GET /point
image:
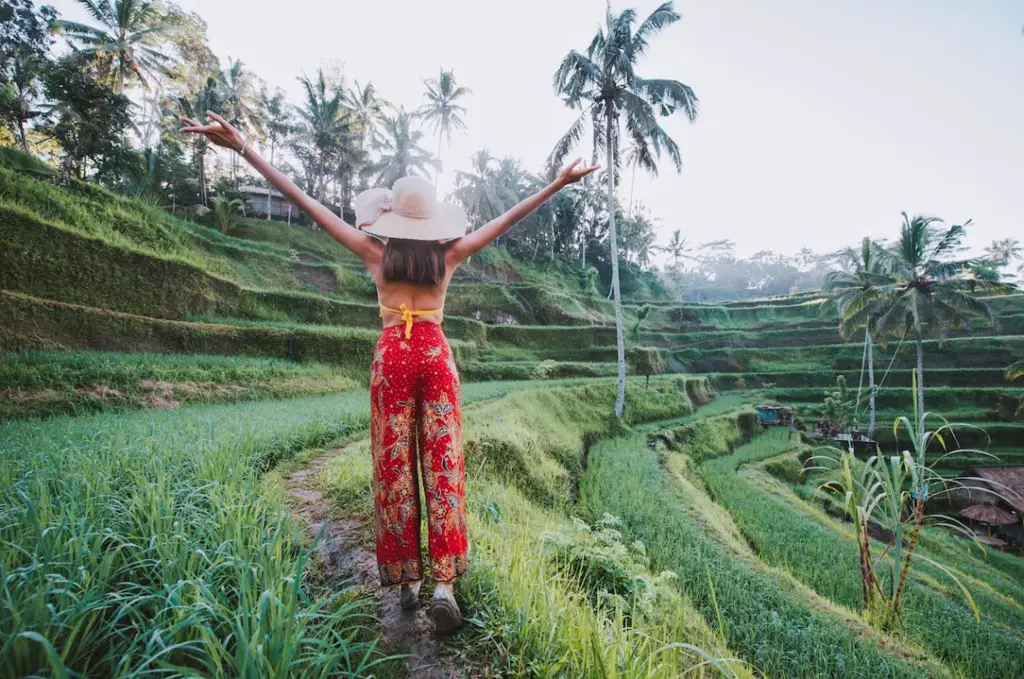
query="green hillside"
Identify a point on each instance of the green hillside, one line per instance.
(176, 403)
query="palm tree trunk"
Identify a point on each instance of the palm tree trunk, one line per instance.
(871, 385)
(620, 340)
(632, 184)
(270, 197)
(920, 383)
(437, 173)
(24, 136)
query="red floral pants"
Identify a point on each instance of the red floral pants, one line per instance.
(415, 417)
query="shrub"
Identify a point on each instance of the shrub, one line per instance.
(615, 574)
(544, 370)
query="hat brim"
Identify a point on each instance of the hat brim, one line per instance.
(448, 223)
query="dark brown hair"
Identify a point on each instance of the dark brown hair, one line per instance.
(414, 261)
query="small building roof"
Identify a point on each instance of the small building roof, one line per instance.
(260, 191)
(1006, 482)
(773, 407)
(990, 514)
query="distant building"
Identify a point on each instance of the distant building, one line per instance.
(257, 199)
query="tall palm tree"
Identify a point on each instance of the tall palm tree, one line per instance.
(207, 96)
(604, 86)
(325, 124)
(277, 122)
(400, 152)
(241, 103)
(475, 190)
(126, 42)
(677, 247)
(367, 110)
(928, 291)
(1003, 251)
(442, 112)
(857, 298)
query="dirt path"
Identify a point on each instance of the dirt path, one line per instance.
(347, 552)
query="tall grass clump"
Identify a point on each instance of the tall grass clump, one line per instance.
(143, 543)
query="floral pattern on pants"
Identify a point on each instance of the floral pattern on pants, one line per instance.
(416, 418)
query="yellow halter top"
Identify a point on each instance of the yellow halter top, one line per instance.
(408, 315)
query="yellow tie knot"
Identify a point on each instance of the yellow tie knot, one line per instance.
(407, 317)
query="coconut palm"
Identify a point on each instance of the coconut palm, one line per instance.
(677, 247)
(442, 112)
(855, 294)
(1004, 250)
(604, 86)
(325, 124)
(400, 152)
(241, 103)
(125, 44)
(241, 100)
(207, 96)
(475, 190)
(928, 291)
(367, 109)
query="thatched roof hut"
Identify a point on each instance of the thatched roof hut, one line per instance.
(996, 486)
(989, 514)
(1007, 482)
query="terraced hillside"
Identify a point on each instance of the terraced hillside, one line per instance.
(221, 529)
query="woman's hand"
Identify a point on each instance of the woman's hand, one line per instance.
(220, 132)
(575, 172)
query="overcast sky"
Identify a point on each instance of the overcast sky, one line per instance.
(820, 120)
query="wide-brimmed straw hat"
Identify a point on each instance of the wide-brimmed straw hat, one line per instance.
(409, 210)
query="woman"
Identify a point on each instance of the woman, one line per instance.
(412, 245)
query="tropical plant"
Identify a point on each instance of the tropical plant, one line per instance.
(125, 45)
(855, 295)
(928, 291)
(442, 112)
(228, 213)
(400, 152)
(1015, 371)
(603, 85)
(891, 492)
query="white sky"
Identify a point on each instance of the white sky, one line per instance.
(821, 120)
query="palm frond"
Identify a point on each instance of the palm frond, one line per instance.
(569, 140)
(670, 95)
(664, 15)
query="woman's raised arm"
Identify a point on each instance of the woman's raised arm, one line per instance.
(223, 134)
(476, 241)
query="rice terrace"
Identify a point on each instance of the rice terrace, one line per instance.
(722, 408)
